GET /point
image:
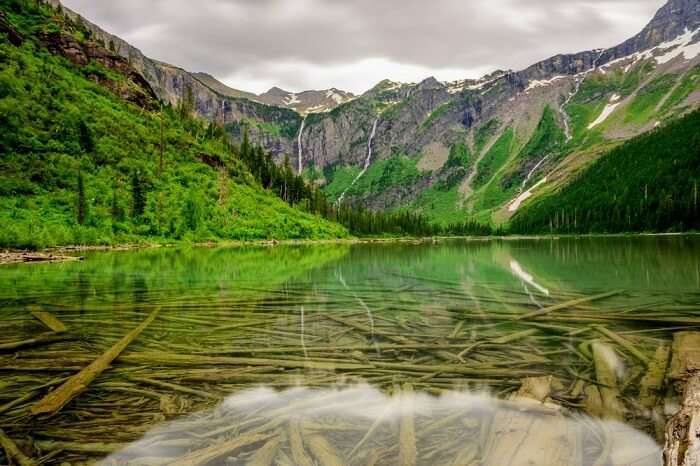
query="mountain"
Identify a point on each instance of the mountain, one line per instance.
(649, 183)
(305, 102)
(88, 156)
(480, 149)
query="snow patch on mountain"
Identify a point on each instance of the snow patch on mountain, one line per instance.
(607, 111)
(515, 205)
(687, 45)
(535, 83)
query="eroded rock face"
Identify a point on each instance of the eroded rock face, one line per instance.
(135, 89)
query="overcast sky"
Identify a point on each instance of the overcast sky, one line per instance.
(353, 44)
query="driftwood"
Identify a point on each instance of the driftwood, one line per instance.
(682, 446)
(57, 399)
(14, 452)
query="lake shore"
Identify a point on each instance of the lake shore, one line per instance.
(69, 253)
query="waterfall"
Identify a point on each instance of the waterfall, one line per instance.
(579, 82)
(368, 160)
(301, 131)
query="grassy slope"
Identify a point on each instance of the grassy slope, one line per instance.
(650, 183)
(43, 147)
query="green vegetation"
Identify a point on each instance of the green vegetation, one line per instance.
(382, 175)
(459, 156)
(649, 183)
(643, 107)
(340, 179)
(484, 135)
(689, 83)
(435, 114)
(439, 205)
(547, 139)
(82, 166)
(496, 157)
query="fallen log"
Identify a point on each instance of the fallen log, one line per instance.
(57, 399)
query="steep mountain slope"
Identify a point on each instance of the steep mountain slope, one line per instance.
(649, 183)
(466, 149)
(88, 157)
(517, 127)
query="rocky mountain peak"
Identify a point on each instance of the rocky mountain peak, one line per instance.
(430, 83)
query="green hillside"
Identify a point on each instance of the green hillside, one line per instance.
(650, 183)
(82, 165)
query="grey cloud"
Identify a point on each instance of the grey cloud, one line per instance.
(224, 37)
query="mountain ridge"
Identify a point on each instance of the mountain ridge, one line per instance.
(427, 122)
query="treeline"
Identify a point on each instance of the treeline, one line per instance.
(294, 189)
(648, 184)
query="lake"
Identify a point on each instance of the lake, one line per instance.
(547, 352)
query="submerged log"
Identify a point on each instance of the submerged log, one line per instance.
(209, 454)
(49, 320)
(57, 399)
(652, 383)
(407, 431)
(13, 451)
(265, 456)
(567, 304)
(606, 360)
(528, 437)
(324, 451)
(296, 442)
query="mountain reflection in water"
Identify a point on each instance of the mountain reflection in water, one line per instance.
(362, 425)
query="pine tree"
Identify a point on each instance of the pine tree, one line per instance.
(138, 195)
(85, 137)
(82, 204)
